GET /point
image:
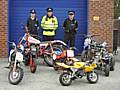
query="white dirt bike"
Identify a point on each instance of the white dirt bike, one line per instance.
(16, 73)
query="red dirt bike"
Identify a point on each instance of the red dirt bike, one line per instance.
(31, 52)
(30, 44)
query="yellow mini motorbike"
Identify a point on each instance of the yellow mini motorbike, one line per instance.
(74, 69)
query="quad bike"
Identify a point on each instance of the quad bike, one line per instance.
(93, 50)
(74, 69)
(105, 60)
(15, 59)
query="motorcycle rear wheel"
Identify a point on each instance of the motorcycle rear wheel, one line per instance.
(92, 77)
(65, 79)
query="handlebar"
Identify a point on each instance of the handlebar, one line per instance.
(85, 35)
(13, 43)
(24, 28)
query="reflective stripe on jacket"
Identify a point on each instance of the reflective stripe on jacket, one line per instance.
(49, 25)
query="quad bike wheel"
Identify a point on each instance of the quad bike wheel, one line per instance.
(107, 70)
(112, 64)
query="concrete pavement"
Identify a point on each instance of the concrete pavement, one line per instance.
(46, 78)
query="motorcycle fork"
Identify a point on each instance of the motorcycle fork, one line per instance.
(14, 66)
(51, 48)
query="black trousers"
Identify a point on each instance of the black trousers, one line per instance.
(69, 39)
(48, 38)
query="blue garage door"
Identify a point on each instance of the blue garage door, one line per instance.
(19, 12)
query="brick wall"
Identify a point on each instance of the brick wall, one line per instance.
(3, 28)
(105, 10)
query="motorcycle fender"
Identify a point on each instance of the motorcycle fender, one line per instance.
(11, 51)
(19, 57)
(33, 40)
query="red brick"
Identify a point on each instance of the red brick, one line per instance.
(3, 28)
(105, 10)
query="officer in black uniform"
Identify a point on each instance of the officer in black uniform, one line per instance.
(33, 23)
(70, 27)
(32, 27)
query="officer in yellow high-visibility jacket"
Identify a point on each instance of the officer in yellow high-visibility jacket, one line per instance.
(49, 24)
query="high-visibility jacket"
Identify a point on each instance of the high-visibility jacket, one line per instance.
(49, 25)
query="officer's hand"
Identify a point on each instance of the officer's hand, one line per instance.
(38, 28)
(76, 29)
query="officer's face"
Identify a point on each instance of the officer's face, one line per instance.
(49, 14)
(71, 17)
(32, 14)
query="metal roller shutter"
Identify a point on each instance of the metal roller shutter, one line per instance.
(19, 12)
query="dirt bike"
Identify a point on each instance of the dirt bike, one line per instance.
(15, 59)
(30, 44)
(74, 69)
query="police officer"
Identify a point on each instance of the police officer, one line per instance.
(32, 27)
(70, 27)
(33, 23)
(49, 24)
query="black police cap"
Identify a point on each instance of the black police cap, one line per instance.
(33, 11)
(71, 12)
(49, 9)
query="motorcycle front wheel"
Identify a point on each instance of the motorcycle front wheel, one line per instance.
(16, 76)
(33, 65)
(65, 79)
